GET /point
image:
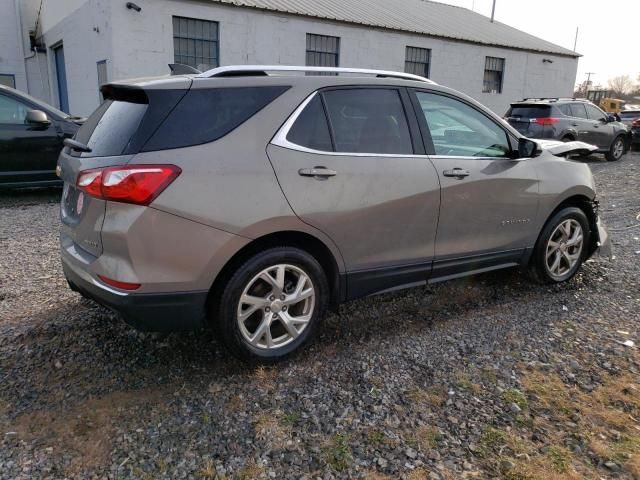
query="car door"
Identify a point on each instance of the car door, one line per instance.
(603, 131)
(583, 126)
(27, 152)
(489, 200)
(351, 165)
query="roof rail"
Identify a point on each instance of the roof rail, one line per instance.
(555, 99)
(262, 70)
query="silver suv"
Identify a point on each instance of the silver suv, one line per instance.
(251, 199)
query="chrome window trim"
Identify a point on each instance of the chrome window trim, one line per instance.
(280, 140)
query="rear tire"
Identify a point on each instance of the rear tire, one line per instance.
(272, 305)
(561, 247)
(617, 149)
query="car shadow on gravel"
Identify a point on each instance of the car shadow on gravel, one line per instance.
(84, 350)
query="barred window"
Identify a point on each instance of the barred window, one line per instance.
(417, 61)
(195, 43)
(322, 51)
(493, 75)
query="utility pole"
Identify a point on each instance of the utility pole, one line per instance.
(575, 42)
(493, 10)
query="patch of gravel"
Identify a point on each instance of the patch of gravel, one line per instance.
(402, 384)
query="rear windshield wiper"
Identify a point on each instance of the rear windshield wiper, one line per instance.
(75, 145)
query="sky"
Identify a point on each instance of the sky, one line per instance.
(608, 30)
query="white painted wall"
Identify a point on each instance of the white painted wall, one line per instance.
(86, 36)
(141, 44)
(11, 50)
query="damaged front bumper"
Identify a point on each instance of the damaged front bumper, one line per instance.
(600, 240)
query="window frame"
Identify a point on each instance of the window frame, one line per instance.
(426, 132)
(280, 138)
(101, 63)
(427, 65)
(501, 85)
(216, 41)
(12, 77)
(307, 51)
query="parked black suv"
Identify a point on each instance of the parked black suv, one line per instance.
(569, 119)
(631, 118)
(31, 136)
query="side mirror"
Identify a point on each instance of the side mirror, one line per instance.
(527, 148)
(612, 117)
(37, 118)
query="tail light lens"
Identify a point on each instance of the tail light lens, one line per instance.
(545, 120)
(137, 184)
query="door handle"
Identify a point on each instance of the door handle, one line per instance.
(574, 124)
(319, 172)
(458, 173)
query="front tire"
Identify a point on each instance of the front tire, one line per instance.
(561, 247)
(272, 305)
(616, 151)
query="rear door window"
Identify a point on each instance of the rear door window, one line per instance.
(311, 129)
(206, 115)
(368, 120)
(565, 109)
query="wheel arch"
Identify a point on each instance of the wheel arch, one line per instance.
(579, 200)
(289, 238)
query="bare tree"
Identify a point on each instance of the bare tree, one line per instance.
(621, 85)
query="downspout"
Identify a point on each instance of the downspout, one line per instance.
(21, 31)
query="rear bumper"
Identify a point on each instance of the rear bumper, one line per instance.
(153, 312)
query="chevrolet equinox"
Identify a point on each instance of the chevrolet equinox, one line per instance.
(251, 199)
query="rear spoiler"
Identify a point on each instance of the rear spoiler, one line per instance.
(181, 69)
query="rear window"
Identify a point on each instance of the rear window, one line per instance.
(205, 115)
(629, 115)
(110, 127)
(530, 111)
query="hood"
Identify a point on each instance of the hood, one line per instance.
(563, 149)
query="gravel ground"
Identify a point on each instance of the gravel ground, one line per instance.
(428, 383)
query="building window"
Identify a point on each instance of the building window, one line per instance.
(417, 61)
(195, 43)
(493, 75)
(102, 76)
(8, 79)
(322, 51)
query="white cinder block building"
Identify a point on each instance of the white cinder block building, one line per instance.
(61, 50)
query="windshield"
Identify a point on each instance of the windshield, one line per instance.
(40, 104)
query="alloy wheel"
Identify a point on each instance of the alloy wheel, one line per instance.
(618, 148)
(276, 306)
(564, 248)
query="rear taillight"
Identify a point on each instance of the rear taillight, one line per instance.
(138, 184)
(636, 123)
(119, 284)
(545, 120)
